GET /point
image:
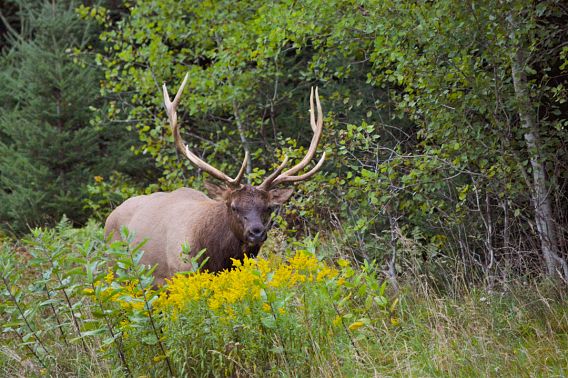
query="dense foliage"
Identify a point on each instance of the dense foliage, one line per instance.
(445, 122)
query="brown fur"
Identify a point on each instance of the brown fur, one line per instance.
(222, 226)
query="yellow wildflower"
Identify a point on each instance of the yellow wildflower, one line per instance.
(214, 303)
(236, 263)
(263, 267)
(343, 263)
(109, 277)
(88, 291)
(159, 358)
(266, 307)
(336, 321)
(302, 260)
(243, 284)
(355, 325)
(282, 277)
(326, 272)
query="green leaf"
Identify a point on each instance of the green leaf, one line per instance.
(269, 322)
(91, 333)
(150, 339)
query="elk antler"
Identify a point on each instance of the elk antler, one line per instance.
(289, 176)
(182, 146)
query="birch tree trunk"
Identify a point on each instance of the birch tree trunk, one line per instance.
(541, 199)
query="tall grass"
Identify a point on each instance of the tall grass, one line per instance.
(66, 311)
(515, 332)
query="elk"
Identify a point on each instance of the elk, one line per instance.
(233, 224)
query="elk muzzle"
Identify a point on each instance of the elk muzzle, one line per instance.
(255, 234)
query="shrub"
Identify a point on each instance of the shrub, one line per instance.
(269, 316)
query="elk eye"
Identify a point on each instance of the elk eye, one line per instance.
(234, 208)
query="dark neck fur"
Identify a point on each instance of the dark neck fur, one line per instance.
(219, 237)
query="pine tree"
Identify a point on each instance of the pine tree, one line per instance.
(49, 150)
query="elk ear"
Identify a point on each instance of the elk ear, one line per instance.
(279, 196)
(215, 191)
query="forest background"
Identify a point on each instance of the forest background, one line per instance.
(446, 126)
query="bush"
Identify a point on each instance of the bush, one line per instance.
(270, 317)
(294, 315)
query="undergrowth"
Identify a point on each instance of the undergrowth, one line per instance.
(67, 310)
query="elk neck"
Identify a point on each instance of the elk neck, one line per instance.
(223, 238)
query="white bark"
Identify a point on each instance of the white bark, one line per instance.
(544, 218)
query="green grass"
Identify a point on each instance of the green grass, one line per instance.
(513, 334)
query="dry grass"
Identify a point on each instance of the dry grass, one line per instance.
(519, 332)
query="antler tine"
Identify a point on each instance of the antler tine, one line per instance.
(237, 180)
(290, 175)
(317, 127)
(302, 177)
(171, 110)
(268, 181)
(312, 114)
(184, 149)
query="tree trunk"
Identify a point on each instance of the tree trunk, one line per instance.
(546, 228)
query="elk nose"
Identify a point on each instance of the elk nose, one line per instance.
(257, 231)
(257, 234)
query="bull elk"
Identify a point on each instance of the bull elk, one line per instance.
(227, 227)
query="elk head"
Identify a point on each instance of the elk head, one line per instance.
(249, 207)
